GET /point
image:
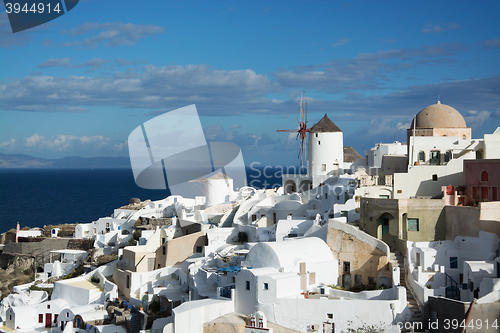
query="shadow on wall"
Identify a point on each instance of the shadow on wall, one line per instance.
(432, 187)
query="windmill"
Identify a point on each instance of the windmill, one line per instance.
(302, 129)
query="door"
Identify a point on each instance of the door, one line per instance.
(418, 259)
(385, 225)
(151, 264)
(48, 320)
(484, 193)
(346, 281)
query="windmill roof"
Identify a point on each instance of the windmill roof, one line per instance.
(350, 154)
(219, 175)
(325, 125)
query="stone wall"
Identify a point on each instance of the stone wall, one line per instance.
(42, 249)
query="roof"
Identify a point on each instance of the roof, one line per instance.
(94, 315)
(289, 253)
(325, 125)
(69, 251)
(350, 154)
(439, 116)
(219, 175)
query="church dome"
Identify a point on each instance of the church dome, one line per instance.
(439, 116)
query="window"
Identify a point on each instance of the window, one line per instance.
(474, 192)
(40, 318)
(347, 267)
(266, 286)
(254, 218)
(128, 281)
(67, 314)
(329, 315)
(316, 134)
(421, 156)
(484, 176)
(319, 142)
(434, 178)
(383, 196)
(326, 195)
(163, 239)
(248, 285)
(448, 156)
(164, 250)
(48, 306)
(400, 191)
(312, 278)
(413, 225)
(198, 249)
(323, 167)
(233, 279)
(453, 262)
(435, 155)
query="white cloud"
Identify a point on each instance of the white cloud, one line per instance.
(491, 44)
(153, 87)
(369, 71)
(476, 119)
(111, 34)
(72, 144)
(33, 140)
(342, 41)
(8, 145)
(432, 28)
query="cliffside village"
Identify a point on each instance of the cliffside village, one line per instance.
(405, 239)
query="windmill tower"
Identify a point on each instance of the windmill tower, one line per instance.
(326, 151)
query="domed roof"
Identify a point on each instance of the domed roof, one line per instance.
(439, 116)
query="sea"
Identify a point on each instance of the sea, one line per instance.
(38, 197)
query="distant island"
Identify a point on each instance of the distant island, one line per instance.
(26, 161)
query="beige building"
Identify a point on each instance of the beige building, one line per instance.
(362, 259)
(179, 249)
(396, 221)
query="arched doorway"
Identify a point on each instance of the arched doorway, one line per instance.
(305, 185)
(290, 187)
(383, 225)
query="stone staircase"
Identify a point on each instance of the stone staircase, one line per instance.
(398, 259)
(135, 324)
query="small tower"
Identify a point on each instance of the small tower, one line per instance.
(326, 151)
(219, 189)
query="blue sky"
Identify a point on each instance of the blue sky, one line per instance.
(80, 84)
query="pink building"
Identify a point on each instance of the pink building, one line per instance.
(482, 180)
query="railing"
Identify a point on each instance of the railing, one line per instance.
(452, 291)
(226, 291)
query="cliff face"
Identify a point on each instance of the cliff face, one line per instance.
(10, 262)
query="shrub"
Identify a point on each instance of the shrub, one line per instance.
(154, 307)
(242, 237)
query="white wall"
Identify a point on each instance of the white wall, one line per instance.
(190, 316)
